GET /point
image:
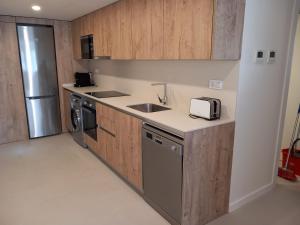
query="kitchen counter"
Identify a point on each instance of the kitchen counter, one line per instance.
(174, 121)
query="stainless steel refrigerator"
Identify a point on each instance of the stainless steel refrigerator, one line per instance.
(37, 54)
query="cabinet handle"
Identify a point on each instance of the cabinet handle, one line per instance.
(110, 133)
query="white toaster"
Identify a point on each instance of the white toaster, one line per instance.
(206, 108)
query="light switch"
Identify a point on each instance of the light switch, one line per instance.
(259, 57)
(216, 84)
(271, 57)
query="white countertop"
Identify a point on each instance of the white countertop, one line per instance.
(175, 121)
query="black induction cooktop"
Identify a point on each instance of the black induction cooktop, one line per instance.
(106, 94)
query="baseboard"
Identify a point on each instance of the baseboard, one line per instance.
(250, 197)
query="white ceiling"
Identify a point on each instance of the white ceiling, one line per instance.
(51, 9)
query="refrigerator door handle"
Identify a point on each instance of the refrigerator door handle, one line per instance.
(41, 97)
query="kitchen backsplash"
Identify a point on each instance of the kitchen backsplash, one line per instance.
(186, 79)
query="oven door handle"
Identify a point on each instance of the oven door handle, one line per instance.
(89, 109)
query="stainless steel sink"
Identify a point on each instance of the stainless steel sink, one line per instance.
(148, 107)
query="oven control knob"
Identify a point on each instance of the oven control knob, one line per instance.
(90, 105)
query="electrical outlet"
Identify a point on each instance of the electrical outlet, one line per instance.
(216, 84)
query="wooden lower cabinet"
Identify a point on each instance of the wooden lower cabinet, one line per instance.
(129, 144)
(66, 115)
(207, 162)
(120, 146)
(102, 140)
(207, 165)
(106, 118)
(107, 149)
(91, 143)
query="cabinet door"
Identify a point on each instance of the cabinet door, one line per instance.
(112, 154)
(64, 64)
(67, 110)
(86, 25)
(107, 149)
(106, 118)
(119, 143)
(147, 29)
(228, 29)
(188, 29)
(130, 146)
(122, 37)
(12, 111)
(97, 27)
(102, 138)
(103, 29)
(91, 143)
(76, 26)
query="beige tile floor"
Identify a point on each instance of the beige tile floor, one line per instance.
(53, 181)
(281, 206)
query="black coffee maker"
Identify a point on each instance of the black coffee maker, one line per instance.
(83, 80)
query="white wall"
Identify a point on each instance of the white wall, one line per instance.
(186, 79)
(294, 92)
(267, 26)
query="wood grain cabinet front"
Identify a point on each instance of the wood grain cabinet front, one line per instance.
(106, 118)
(165, 29)
(207, 165)
(12, 112)
(207, 160)
(76, 26)
(129, 145)
(122, 31)
(147, 29)
(66, 118)
(188, 29)
(119, 143)
(106, 147)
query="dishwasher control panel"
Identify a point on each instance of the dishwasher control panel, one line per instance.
(159, 139)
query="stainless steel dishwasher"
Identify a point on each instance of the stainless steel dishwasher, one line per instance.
(162, 171)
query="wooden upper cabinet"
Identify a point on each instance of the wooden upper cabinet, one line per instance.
(122, 35)
(86, 25)
(147, 29)
(228, 29)
(76, 25)
(81, 27)
(165, 29)
(188, 29)
(103, 29)
(97, 27)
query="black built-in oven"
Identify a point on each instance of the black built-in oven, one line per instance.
(89, 118)
(87, 47)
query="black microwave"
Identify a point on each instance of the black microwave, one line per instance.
(87, 47)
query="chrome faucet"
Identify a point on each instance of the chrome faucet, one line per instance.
(163, 100)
